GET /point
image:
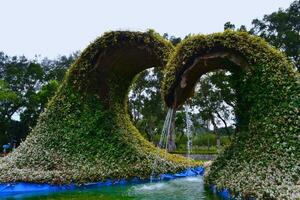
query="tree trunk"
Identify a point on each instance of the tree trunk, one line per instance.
(224, 122)
(171, 134)
(218, 135)
(150, 132)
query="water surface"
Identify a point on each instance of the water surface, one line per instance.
(191, 188)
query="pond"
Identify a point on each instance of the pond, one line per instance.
(190, 188)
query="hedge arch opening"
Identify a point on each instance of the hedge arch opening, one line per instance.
(145, 107)
(263, 160)
(201, 65)
(85, 134)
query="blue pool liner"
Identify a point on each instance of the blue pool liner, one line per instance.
(199, 170)
(23, 187)
(224, 194)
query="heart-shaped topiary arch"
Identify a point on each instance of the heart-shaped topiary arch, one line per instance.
(85, 134)
(264, 158)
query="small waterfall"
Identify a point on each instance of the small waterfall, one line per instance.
(164, 137)
(166, 130)
(188, 129)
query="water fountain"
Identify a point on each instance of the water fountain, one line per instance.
(86, 122)
(166, 130)
(163, 139)
(188, 130)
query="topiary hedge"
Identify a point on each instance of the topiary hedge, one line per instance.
(85, 134)
(263, 160)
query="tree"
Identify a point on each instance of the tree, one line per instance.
(145, 106)
(7, 96)
(37, 103)
(281, 29)
(23, 78)
(173, 39)
(26, 86)
(55, 69)
(229, 25)
(215, 100)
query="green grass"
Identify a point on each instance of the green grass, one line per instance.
(200, 151)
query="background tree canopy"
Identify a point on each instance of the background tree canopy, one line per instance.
(25, 88)
(281, 29)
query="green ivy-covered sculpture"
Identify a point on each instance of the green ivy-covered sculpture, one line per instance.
(263, 160)
(85, 134)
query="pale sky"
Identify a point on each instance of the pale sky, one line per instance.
(59, 27)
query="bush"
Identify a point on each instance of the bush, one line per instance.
(209, 139)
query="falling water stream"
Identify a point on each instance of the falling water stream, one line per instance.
(188, 129)
(163, 140)
(166, 129)
(165, 134)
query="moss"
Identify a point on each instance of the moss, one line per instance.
(264, 159)
(85, 134)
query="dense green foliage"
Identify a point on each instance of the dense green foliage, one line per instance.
(85, 134)
(27, 86)
(263, 159)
